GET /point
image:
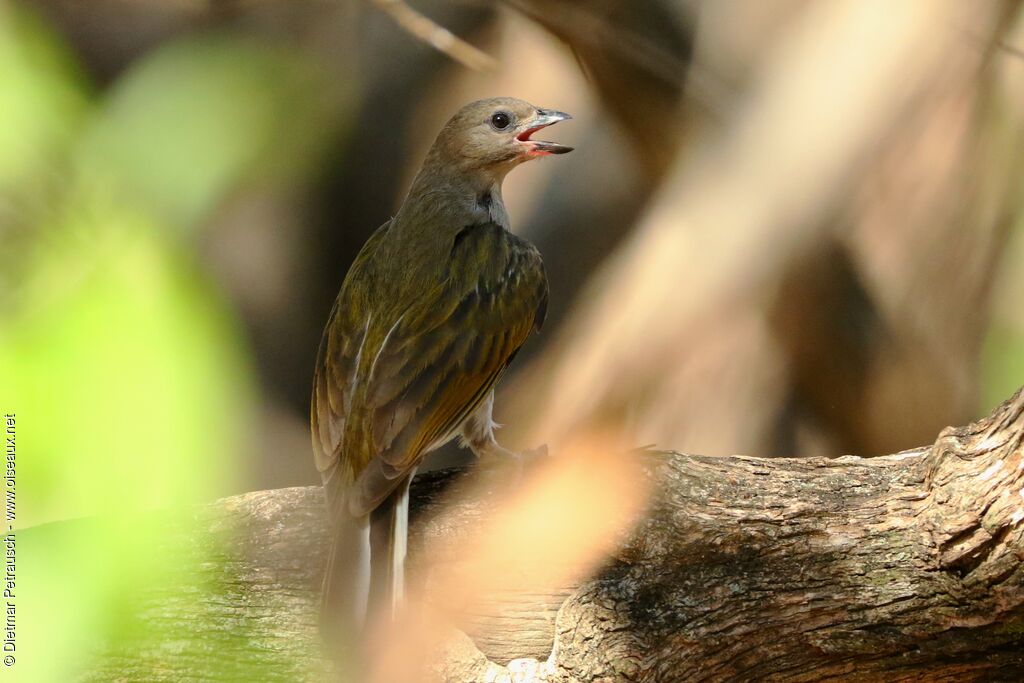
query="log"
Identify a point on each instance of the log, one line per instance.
(902, 567)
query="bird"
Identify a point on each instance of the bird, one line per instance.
(430, 314)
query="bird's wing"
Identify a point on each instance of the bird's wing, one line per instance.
(335, 376)
(442, 356)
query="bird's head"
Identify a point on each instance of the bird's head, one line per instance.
(495, 135)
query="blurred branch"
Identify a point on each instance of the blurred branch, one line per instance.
(584, 23)
(905, 566)
(1010, 49)
(647, 346)
(435, 35)
(637, 56)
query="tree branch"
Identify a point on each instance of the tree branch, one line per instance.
(908, 566)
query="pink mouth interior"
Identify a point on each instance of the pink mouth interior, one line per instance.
(525, 135)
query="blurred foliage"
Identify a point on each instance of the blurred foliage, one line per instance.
(130, 376)
(42, 99)
(183, 127)
(1002, 361)
(1002, 358)
(1003, 364)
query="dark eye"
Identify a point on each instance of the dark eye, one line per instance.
(500, 120)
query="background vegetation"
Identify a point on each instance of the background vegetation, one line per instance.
(788, 228)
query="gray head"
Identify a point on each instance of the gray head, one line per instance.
(494, 135)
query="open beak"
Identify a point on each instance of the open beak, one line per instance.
(545, 118)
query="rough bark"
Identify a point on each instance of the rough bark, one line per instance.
(903, 567)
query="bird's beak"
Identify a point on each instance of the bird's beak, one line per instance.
(544, 118)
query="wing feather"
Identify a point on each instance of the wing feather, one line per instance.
(429, 364)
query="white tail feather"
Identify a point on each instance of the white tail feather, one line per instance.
(401, 536)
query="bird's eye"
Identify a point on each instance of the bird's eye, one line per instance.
(501, 120)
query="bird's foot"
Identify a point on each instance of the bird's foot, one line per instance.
(508, 466)
(520, 463)
(533, 456)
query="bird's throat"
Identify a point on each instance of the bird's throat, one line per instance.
(455, 198)
(491, 207)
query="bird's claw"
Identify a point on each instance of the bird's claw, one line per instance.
(534, 455)
(511, 466)
(527, 459)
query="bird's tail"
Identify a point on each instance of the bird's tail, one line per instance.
(365, 572)
(389, 524)
(346, 587)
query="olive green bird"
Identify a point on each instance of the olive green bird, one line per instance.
(431, 313)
